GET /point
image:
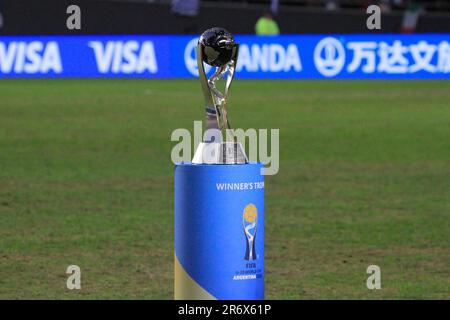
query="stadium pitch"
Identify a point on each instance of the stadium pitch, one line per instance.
(86, 179)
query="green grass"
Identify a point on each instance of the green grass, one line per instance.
(86, 179)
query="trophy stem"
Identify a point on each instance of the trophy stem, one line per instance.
(213, 150)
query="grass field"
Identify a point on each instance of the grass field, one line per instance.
(86, 179)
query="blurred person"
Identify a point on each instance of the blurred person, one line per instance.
(266, 25)
(274, 5)
(1, 16)
(411, 17)
(385, 6)
(331, 5)
(186, 12)
(397, 3)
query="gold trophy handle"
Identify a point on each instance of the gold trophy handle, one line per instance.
(216, 112)
(209, 100)
(212, 119)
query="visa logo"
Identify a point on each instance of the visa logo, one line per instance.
(32, 57)
(124, 56)
(269, 57)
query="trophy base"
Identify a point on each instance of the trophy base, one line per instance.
(220, 153)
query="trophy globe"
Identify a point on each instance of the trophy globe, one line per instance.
(218, 46)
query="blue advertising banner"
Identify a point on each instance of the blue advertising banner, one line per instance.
(390, 56)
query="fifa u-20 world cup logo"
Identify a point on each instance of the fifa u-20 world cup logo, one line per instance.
(249, 221)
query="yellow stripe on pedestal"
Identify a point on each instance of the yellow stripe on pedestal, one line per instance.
(187, 288)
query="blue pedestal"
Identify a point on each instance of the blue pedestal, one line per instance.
(219, 231)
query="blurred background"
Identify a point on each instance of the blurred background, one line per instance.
(193, 16)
